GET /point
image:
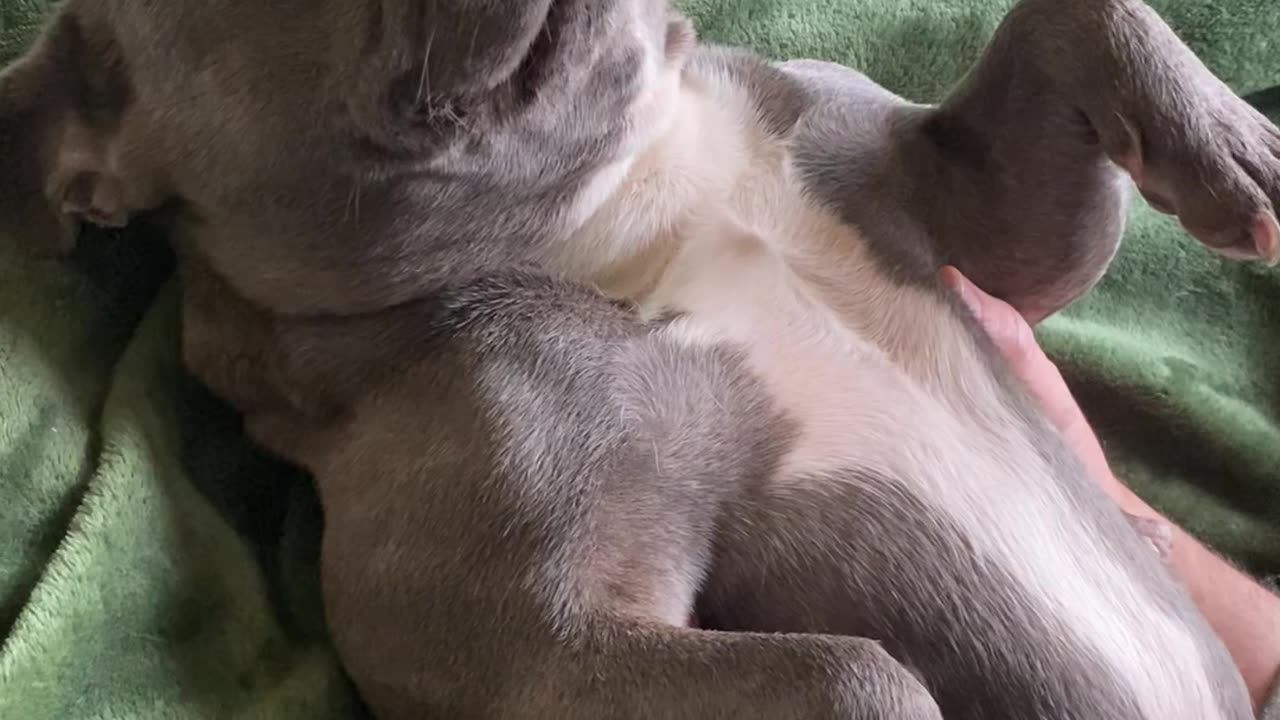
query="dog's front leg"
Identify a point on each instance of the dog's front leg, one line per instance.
(1018, 178)
(1064, 88)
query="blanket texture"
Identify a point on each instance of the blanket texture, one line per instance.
(153, 565)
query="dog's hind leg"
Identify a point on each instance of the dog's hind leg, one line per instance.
(521, 488)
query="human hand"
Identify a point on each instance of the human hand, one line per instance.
(1016, 341)
(1244, 614)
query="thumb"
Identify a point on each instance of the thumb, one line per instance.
(1003, 324)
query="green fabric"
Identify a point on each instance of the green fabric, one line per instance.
(1271, 709)
(153, 565)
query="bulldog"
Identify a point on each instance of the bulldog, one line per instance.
(583, 328)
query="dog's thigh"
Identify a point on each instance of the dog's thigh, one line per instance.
(861, 554)
(519, 512)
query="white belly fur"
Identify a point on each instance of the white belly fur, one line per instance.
(710, 222)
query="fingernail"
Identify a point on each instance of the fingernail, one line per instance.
(953, 279)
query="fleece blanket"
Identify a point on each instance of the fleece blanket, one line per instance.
(154, 565)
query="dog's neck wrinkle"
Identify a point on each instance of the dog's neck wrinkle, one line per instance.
(686, 172)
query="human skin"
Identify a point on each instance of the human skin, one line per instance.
(1241, 611)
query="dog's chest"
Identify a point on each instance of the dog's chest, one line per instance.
(875, 375)
(791, 286)
(713, 223)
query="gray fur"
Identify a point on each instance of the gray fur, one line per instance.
(869, 563)
(531, 596)
(949, 185)
(525, 487)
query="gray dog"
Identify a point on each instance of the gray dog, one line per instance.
(584, 329)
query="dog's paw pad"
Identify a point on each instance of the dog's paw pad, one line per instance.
(1258, 241)
(1266, 238)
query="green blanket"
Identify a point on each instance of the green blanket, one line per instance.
(154, 565)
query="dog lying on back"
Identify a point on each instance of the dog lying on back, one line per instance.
(583, 328)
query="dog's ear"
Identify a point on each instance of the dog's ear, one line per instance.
(64, 110)
(24, 138)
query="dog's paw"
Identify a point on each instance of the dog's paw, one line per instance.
(1217, 168)
(1192, 146)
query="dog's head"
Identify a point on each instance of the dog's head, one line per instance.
(332, 153)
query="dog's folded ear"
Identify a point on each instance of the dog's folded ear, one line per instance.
(25, 213)
(63, 113)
